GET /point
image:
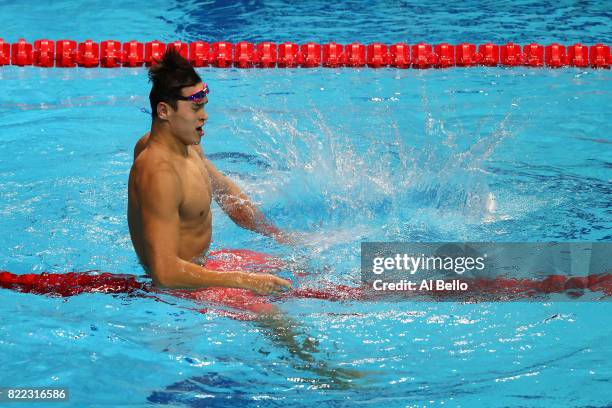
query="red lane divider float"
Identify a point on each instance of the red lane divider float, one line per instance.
(245, 305)
(114, 54)
(75, 283)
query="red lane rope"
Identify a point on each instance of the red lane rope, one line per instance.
(114, 54)
(245, 305)
(75, 283)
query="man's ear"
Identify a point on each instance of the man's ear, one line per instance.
(163, 110)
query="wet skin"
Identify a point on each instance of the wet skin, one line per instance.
(170, 189)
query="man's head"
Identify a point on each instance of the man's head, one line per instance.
(178, 97)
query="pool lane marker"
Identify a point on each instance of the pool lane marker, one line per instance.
(242, 304)
(243, 54)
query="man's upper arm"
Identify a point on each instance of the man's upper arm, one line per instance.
(159, 196)
(222, 186)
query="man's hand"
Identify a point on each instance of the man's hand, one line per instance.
(265, 284)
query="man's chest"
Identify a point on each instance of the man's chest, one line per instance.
(197, 190)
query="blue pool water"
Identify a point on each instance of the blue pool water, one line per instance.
(341, 156)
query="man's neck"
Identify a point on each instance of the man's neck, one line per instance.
(160, 134)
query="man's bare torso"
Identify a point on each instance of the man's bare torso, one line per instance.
(196, 193)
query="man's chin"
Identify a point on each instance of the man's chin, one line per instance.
(198, 139)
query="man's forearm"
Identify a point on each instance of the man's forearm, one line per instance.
(244, 213)
(187, 275)
(190, 276)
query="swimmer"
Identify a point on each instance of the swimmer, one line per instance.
(171, 186)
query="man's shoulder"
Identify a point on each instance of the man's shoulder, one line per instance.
(148, 158)
(154, 176)
(151, 162)
(141, 144)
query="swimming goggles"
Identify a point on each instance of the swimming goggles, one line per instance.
(196, 97)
